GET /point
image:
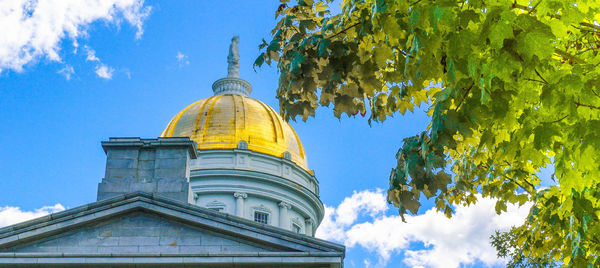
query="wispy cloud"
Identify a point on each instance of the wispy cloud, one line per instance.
(361, 220)
(182, 59)
(67, 71)
(104, 71)
(12, 215)
(91, 54)
(34, 29)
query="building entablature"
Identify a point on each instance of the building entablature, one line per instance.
(241, 159)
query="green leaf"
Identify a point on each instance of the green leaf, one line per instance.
(499, 32)
(485, 96)
(323, 46)
(259, 60)
(500, 207)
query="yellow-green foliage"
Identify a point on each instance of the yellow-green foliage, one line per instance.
(513, 86)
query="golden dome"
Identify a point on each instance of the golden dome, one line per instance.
(222, 121)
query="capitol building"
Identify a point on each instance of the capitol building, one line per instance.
(226, 184)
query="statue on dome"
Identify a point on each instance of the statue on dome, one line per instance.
(233, 59)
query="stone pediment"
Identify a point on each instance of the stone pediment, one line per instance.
(144, 228)
(140, 232)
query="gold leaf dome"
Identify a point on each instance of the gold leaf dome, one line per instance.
(223, 120)
(231, 116)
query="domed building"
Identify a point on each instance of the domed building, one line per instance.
(226, 184)
(250, 162)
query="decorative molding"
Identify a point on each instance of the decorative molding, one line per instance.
(261, 208)
(229, 162)
(309, 221)
(277, 161)
(240, 195)
(242, 145)
(199, 180)
(284, 204)
(232, 85)
(296, 221)
(216, 204)
(305, 208)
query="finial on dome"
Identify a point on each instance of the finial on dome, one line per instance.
(233, 59)
(232, 84)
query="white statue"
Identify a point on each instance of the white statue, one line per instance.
(233, 59)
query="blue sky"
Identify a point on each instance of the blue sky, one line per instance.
(128, 68)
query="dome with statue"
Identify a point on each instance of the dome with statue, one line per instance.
(225, 185)
(250, 162)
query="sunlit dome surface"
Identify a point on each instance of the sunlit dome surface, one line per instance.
(222, 121)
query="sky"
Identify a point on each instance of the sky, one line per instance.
(74, 73)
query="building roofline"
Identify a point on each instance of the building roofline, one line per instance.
(100, 208)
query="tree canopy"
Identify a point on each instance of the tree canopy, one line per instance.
(506, 244)
(511, 86)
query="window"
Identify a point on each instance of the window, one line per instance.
(296, 228)
(261, 217)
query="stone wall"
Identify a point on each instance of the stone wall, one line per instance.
(150, 165)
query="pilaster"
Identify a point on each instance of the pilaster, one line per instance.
(284, 219)
(239, 203)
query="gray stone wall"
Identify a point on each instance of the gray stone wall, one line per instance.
(151, 165)
(140, 232)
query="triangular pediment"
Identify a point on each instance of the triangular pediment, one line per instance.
(146, 228)
(141, 232)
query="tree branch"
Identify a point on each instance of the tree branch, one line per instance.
(587, 105)
(595, 93)
(569, 56)
(557, 120)
(344, 30)
(517, 183)
(597, 28)
(528, 9)
(534, 7)
(464, 97)
(534, 80)
(540, 76)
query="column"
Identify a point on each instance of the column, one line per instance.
(239, 203)
(308, 226)
(283, 215)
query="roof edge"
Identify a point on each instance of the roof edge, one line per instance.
(154, 199)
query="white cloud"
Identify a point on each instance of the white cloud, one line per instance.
(463, 239)
(67, 71)
(104, 71)
(338, 219)
(182, 59)
(33, 29)
(12, 215)
(91, 54)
